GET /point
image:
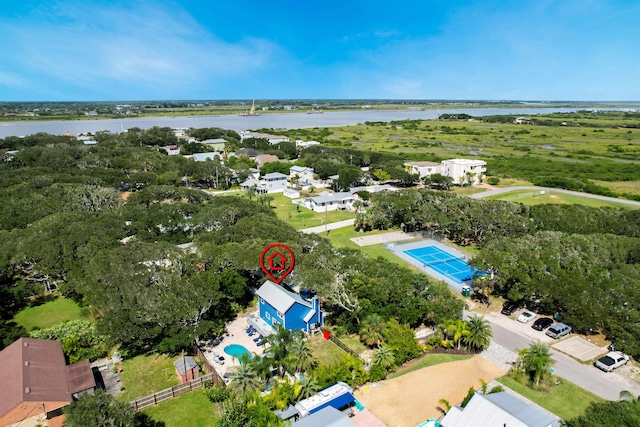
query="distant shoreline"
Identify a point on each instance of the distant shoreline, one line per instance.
(274, 120)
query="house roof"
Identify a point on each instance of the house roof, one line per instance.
(299, 169)
(280, 298)
(214, 141)
(201, 157)
(289, 412)
(266, 158)
(465, 162)
(185, 362)
(249, 152)
(422, 164)
(34, 370)
(498, 409)
(275, 175)
(331, 197)
(326, 417)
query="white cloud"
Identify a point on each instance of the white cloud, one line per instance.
(145, 45)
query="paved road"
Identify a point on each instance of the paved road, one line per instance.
(605, 385)
(553, 190)
(330, 226)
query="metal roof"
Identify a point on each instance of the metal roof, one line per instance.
(498, 409)
(280, 298)
(326, 417)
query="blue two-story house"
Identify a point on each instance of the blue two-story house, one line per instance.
(277, 306)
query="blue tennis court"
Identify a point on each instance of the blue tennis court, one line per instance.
(441, 261)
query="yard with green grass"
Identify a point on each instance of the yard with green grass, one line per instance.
(340, 239)
(326, 352)
(48, 314)
(144, 375)
(429, 360)
(192, 409)
(566, 400)
(287, 211)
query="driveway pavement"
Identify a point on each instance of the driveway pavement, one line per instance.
(510, 334)
(554, 190)
(330, 226)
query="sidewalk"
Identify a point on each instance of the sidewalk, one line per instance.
(330, 226)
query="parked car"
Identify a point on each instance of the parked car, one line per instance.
(526, 316)
(558, 331)
(508, 308)
(542, 323)
(611, 361)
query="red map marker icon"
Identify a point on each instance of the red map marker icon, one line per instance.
(277, 261)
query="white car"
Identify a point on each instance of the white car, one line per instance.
(526, 316)
(612, 360)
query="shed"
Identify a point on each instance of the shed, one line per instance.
(186, 369)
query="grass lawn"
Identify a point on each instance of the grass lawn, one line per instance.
(340, 239)
(325, 351)
(566, 400)
(144, 375)
(48, 314)
(430, 360)
(288, 212)
(192, 409)
(535, 198)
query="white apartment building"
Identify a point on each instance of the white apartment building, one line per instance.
(464, 171)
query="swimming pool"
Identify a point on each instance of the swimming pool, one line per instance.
(443, 262)
(237, 350)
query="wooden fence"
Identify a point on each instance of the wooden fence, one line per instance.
(175, 391)
(341, 345)
(170, 393)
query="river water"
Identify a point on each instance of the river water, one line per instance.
(237, 123)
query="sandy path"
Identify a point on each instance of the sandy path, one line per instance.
(408, 400)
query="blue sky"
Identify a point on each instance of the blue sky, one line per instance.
(313, 49)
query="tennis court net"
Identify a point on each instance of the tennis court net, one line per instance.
(441, 261)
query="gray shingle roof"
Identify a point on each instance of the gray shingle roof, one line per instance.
(186, 361)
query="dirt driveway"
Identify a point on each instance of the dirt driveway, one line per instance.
(408, 400)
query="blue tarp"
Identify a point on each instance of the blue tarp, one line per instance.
(337, 402)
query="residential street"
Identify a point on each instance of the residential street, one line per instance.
(605, 385)
(553, 190)
(329, 226)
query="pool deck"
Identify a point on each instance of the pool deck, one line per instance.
(236, 334)
(398, 250)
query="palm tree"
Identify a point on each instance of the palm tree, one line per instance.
(627, 396)
(308, 387)
(444, 407)
(536, 361)
(371, 330)
(279, 344)
(456, 329)
(384, 357)
(244, 380)
(479, 337)
(301, 357)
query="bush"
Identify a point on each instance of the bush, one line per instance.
(217, 394)
(494, 180)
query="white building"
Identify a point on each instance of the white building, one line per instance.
(300, 144)
(271, 183)
(330, 202)
(464, 170)
(273, 139)
(302, 174)
(291, 193)
(203, 157)
(423, 169)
